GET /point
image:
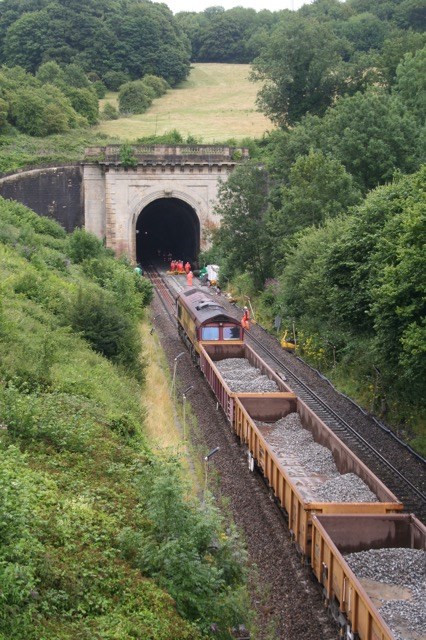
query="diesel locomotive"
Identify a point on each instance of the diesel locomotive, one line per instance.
(203, 320)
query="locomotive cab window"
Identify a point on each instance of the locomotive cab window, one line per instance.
(231, 333)
(210, 333)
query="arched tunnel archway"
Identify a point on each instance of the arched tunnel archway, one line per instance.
(167, 225)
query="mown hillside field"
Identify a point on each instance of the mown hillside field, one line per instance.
(215, 103)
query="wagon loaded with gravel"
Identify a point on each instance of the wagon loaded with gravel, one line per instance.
(372, 569)
(236, 370)
(309, 469)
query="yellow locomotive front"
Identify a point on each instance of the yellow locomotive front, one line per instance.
(203, 320)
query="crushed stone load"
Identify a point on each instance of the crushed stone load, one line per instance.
(401, 603)
(301, 455)
(242, 377)
(345, 488)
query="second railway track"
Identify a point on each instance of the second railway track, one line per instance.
(374, 448)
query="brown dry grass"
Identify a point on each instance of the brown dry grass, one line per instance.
(162, 427)
(217, 102)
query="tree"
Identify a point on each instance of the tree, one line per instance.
(50, 73)
(365, 31)
(225, 36)
(300, 69)
(242, 235)
(319, 189)
(371, 135)
(42, 112)
(135, 97)
(305, 293)
(396, 45)
(398, 307)
(114, 79)
(410, 83)
(150, 43)
(85, 102)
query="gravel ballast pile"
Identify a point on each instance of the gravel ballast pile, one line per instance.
(242, 377)
(403, 568)
(296, 447)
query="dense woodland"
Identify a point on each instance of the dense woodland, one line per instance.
(329, 214)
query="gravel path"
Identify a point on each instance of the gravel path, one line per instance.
(287, 603)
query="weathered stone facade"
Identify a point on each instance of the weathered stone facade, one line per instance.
(115, 196)
(54, 192)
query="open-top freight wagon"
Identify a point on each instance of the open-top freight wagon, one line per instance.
(334, 503)
(297, 476)
(372, 569)
(210, 357)
(298, 472)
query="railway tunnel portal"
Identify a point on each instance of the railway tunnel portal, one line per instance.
(159, 200)
(167, 226)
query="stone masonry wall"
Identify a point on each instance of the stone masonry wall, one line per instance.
(55, 192)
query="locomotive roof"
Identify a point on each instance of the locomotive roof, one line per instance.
(205, 308)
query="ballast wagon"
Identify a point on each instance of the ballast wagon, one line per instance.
(298, 482)
(211, 356)
(372, 569)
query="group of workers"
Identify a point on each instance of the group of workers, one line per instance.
(177, 267)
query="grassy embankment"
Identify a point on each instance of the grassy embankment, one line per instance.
(216, 103)
(87, 509)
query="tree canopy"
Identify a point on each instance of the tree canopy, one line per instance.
(128, 36)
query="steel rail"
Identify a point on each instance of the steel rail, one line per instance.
(325, 412)
(336, 423)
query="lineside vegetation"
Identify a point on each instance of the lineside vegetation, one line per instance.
(99, 535)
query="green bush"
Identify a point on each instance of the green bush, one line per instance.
(96, 317)
(82, 244)
(50, 73)
(85, 102)
(135, 97)
(158, 85)
(109, 112)
(31, 113)
(100, 89)
(185, 548)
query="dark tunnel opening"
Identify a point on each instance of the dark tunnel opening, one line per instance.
(167, 226)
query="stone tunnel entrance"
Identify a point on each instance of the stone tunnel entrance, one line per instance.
(167, 225)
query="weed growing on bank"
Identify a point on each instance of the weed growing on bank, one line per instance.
(82, 496)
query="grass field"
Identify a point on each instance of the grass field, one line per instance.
(217, 102)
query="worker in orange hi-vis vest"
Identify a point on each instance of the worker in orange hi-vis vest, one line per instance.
(245, 320)
(180, 267)
(189, 277)
(187, 267)
(172, 265)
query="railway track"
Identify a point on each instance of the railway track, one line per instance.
(369, 452)
(412, 498)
